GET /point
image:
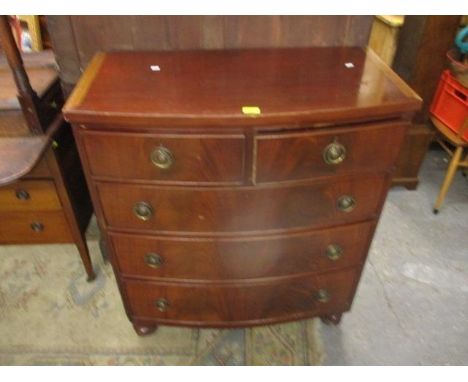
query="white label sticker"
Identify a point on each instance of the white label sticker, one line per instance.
(155, 68)
(349, 65)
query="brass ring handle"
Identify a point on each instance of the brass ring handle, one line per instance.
(143, 210)
(22, 195)
(322, 295)
(162, 304)
(37, 227)
(334, 153)
(346, 203)
(162, 158)
(153, 260)
(334, 252)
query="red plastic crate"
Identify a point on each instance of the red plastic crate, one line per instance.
(450, 103)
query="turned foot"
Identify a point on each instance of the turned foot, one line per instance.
(331, 319)
(144, 330)
(91, 277)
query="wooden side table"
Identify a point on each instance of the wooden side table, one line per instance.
(43, 194)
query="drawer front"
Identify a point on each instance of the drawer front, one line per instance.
(29, 195)
(166, 158)
(328, 152)
(246, 303)
(241, 258)
(244, 209)
(34, 227)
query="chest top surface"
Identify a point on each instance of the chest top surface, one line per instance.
(306, 85)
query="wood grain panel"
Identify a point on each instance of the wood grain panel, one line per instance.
(283, 157)
(240, 304)
(77, 38)
(41, 171)
(241, 257)
(16, 227)
(64, 45)
(196, 158)
(240, 209)
(210, 88)
(29, 195)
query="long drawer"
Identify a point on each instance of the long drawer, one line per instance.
(166, 158)
(240, 257)
(335, 151)
(241, 304)
(29, 195)
(240, 209)
(34, 227)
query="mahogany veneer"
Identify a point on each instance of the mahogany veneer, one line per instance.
(218, 218)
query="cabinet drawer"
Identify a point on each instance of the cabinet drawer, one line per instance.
(241, 304)
(327, 152)
(241, 257)
(29, 195)
(34, 227)
(166, 158)
(240, 209)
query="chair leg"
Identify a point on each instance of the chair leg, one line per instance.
(465, 170)
(448, 178)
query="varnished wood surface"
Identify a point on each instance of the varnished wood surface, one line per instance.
(29, 195)
(16, 227)
(411, 156)
(193, 210)
(240, 304)
(286, 84)
(421, 55)
(369, 148)
(197, 158)
(40, 171)
(240, 258)
(19, 155)
(77, 38)
(41, 79)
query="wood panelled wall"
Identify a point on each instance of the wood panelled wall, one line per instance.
(77, 38)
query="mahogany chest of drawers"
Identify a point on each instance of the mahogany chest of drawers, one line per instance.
(238, 188)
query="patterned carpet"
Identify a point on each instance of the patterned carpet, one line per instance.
(49, 315)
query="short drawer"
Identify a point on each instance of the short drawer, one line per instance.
(192, 210)
(241, 304)
(241, 257)
(336, 151)
(29, 195)
(166, 158)
(34, 227)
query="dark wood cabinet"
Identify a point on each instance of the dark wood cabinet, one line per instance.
(420, 59)
(214, 216)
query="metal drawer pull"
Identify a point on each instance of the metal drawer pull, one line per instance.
(346, 203)
(334, 252)
(162, 304)
(322, 295)
(334, 153)
(37, 227)
(143, 210)
(153, 260)
(22, 195)
(162, 158)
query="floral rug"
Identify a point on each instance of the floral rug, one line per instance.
(49, 315)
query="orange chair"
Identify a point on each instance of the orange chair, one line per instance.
(456, 140)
